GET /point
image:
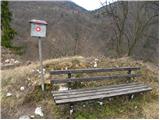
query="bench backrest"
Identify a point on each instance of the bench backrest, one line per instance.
(92, 70)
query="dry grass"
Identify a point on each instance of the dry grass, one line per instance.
(13, 79)
(24, 102)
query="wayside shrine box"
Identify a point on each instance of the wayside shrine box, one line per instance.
(38, 28)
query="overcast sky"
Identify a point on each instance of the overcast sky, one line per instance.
(90, 4)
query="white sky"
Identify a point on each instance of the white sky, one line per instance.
(91, 4)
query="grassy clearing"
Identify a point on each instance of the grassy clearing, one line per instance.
(25, 102)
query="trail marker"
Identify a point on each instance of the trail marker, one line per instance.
(38, 29)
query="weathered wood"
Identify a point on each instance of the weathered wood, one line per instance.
(95, 89)
(98, 92)
(104, 95)
(91, 70)
(84, 94)
(56, 81)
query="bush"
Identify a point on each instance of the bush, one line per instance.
(7, 32)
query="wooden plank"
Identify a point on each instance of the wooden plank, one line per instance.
(94, 88)
(57, 81)
(102, 96)
(98, 92)
(91, 70)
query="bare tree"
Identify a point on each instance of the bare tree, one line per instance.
(118, 20)
(130, 22)
(139, 25)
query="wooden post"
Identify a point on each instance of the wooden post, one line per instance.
(41, 63)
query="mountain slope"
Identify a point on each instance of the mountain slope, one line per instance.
(73, 30)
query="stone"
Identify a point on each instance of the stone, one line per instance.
(7, 61)
(135, 107)
(132, 96)
(96, 59)
(66, 68)
(22, 88)
(32, 116)
(71, 111)
(16, 61)
(44, 71)
(24, 117)
(95, 64)
(38, 111)
(100, 102)
(62, 88)
(9, 94)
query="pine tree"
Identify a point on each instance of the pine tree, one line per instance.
(7, 32)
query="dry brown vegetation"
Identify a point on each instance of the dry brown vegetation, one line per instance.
(25, 102)
(129, 28)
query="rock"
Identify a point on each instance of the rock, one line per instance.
(28, 79)
(24, 117)
(66, 68)
(32, 116)
(84, 105)
(71, 110)
(16, 61)
(44, 70)
(95, 64)
(135, 107)
(6, 61)
(9, 94)
(22, 88)
(96, 59)
(132, 96)
(62, 88)
(38, 111)
(100, 102)
(38, 71)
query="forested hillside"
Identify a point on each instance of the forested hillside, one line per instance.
(115, 30)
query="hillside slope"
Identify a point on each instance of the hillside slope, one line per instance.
(23, 102)
(73, 30)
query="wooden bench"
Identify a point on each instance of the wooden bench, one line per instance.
(85, 94)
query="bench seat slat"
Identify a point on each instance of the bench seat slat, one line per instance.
(91, 93)
(79, 92)
(91, 70)
(92, 96)
(57, 81)
(94, 88)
